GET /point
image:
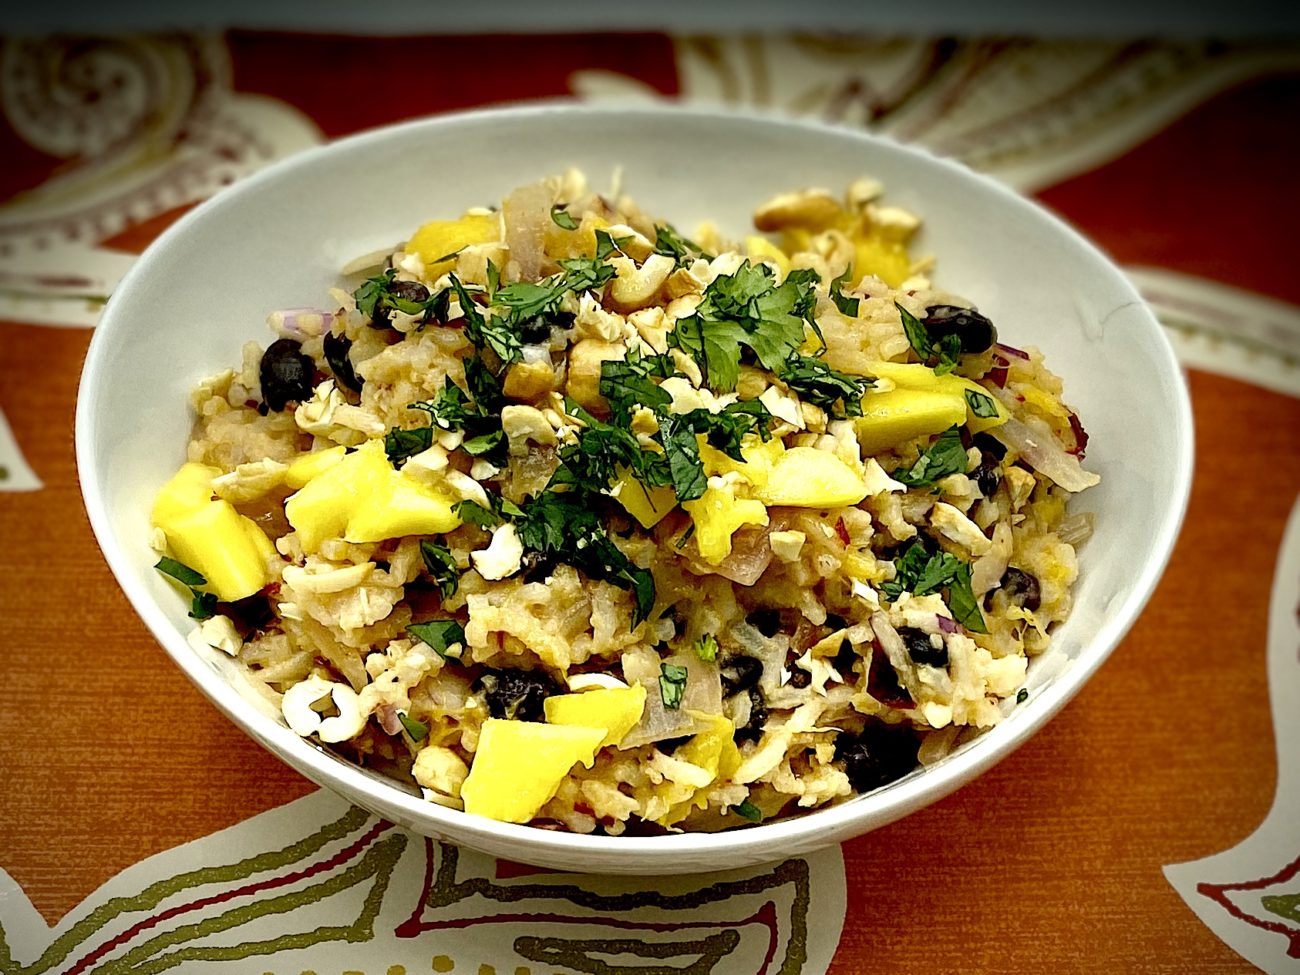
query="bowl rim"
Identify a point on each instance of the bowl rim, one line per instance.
(764, 841)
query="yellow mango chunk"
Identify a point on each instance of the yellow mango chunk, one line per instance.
(899, 415)
(616, 710)
(188, 490)
(718, 514)
(322, 507)
(647, 505)
(219, 543)
(403, 506)
(519, 765)
(886, 259)
(713, 750)
(761, 249)
(438, 238)
(913, 375)
(760, 458)
(806, 477)
(574, 243)
(305, 467)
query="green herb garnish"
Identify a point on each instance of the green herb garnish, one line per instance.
(418, 730)
(945, 456)
(445, 637)
(706, 648)
(847, 305)
(1022, 695)
(672, 685)
(203, 605)
(981, 404)
(628, 383)
(670, 243)
(376, 295)
(942, 356)
(488, 331)
(919, 572)
(747, 810)
(562, 218)
(747, 308)
(442, 567)
(838, 393)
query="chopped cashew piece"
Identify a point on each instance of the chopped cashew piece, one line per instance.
(812, 209)
(786, 545)
(635, 287)
(878, 482)
(503, 555)
(218, 632)
(304, 720)
(956, 527)
(524, 424)
(440, 769)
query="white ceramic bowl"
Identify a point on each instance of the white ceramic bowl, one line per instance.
(278, 240)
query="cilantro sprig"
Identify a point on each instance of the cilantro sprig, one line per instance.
(942, 354)
(747, 309)
(943, 457)
(838, 393)
(442, 567)
(203, 605)
(683, 250)
(921, 571)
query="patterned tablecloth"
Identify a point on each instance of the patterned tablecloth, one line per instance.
(1178, 158)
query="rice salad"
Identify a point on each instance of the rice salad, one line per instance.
(568, 519)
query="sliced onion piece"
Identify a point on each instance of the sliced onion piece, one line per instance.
(527, 211)
(1076, 529)
(1042, 451)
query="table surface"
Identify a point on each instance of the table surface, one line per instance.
(1050, 860)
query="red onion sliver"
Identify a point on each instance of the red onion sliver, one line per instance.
(300, 323)
(946, 624)
(1011, 350)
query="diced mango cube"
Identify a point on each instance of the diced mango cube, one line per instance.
(188, 491)
(886, 259)
(438, 238)
(218, 543)
(760, 457)
(913, 375)
(718, 514)
(714, 750)
(899, 415)
(647, 505)
(806, 477)
(305, 467)
(761, 249)
(519, 765)
(614, 709)
(322, 507)
(403, 506)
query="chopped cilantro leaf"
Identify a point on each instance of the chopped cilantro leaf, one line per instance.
(706, 648)
(445, 637)
(442, 567)
(484, 443)
(562, 218)
(945, 456)
(846, 305)
(683, 453)
(418, 730)
(747, 308)
(627, 383)
(838, 393)
(377, 295)
(1022, 695)
(942, 355)
(672, 685)
(961, 600)
(203, 605)
(486, 330)
(401, 445)
(747, 810)
(670, 243)
(981, 404)
(181, 572)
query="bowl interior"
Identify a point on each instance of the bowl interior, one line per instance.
(279, 239)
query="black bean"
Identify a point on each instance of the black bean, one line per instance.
(766, 621)
(976, 332)
(753, 728)
(1022, 588)
(834, 621)
(337, 348)
(845, 658)
(988, 475)
(517, 694)
(537, 567)
(883, 683)
(876, 756)
(286, 374)
(921, 650)
(989, 444)
(537, 329)
(740, 673)
(670, 745)
(799, 679)
(401, 290)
